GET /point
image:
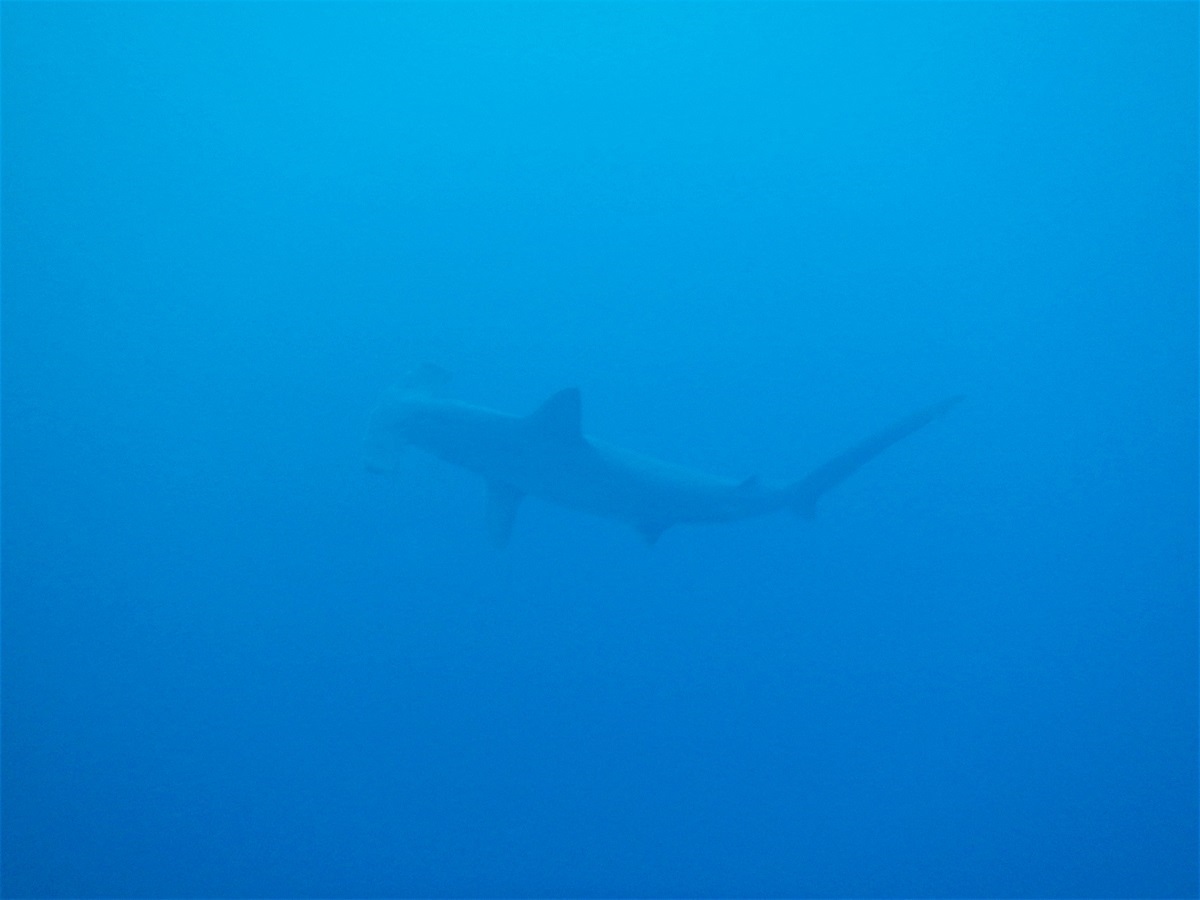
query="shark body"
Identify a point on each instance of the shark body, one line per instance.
(546, 455)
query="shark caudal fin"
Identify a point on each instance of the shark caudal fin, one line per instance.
(805, 492)
(382, 445)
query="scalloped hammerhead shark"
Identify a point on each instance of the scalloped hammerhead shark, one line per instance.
(546, 454)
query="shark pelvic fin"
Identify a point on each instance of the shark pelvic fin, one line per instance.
(651, 531)
(559, 417)
(502, 502)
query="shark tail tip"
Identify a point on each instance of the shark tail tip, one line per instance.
(949, 403)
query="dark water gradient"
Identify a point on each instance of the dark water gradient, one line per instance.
(236, 665)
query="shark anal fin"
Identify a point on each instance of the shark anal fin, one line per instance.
(559, 418)
(502, 502)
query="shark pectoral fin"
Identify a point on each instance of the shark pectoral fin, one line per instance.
(651, 531)
(502, 502)
(559, 418)
(382, 446)
(379, 460)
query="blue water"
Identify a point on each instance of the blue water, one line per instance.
(236, 664)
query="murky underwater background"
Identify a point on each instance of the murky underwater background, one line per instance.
(236, 664)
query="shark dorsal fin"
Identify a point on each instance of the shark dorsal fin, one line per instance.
(749, 485)
(559, 417)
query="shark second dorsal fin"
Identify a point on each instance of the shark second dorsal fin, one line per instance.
(559, 417)
(502, 502)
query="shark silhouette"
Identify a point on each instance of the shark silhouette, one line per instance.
(546, 454)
